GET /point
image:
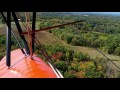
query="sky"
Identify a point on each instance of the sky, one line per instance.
(116, 13)
(104, 13)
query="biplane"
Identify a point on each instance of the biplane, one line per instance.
(23, 62)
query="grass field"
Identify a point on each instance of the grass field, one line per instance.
(50, 39)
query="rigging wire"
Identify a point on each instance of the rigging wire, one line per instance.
(20, 46)
(48, 59)
(100, 52)
(29, 33)
(25, 25)
(28, 28)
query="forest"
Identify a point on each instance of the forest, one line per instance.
(98, 31)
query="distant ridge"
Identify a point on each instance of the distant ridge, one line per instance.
(98, 13)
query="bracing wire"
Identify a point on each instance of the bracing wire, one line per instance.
(25, 25)
(40, 46)
(20, 46)
(100, 52)
(48, 59)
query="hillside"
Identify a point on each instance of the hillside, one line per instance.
(73, 44)
(47, 38)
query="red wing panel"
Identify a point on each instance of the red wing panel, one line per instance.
(24, 67)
